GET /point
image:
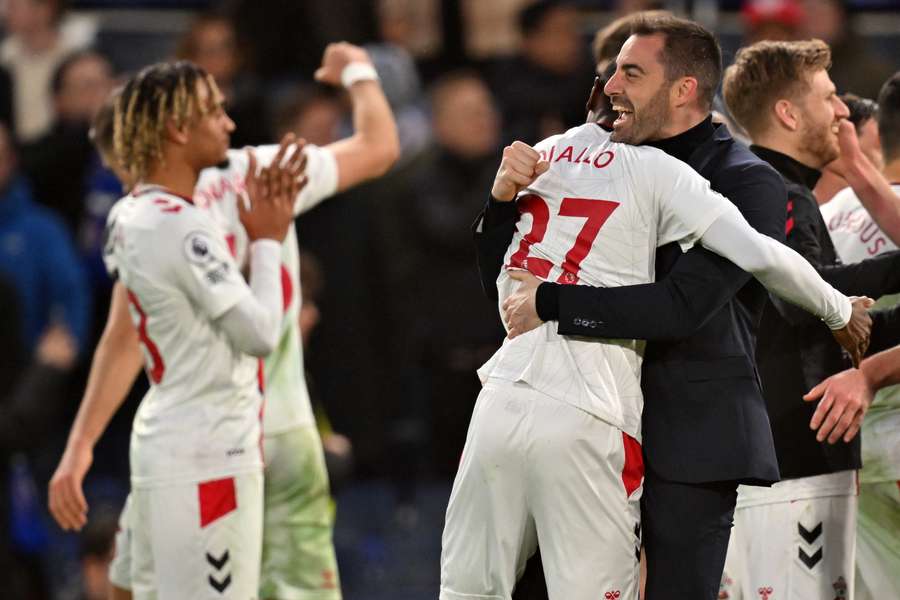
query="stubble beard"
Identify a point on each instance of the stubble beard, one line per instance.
(820, 144)
(648, 123)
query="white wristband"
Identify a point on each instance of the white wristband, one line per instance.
(358, 71)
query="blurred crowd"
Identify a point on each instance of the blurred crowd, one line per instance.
(398, 323)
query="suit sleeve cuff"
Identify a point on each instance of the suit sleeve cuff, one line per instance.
(496, 212)
(547, 301)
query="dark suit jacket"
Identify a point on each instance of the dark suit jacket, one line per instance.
(704, 415)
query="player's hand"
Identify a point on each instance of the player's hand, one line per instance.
(845, 398)
(854, 337)
(65, 497)
(336, 57)
(520, 308)
(272, 191)
(520, 166)
(850, 150)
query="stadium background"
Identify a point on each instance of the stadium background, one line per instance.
(401, 321)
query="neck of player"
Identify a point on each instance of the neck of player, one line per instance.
(176, 176)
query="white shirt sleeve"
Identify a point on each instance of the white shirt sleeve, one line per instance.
(253, 325)
(204, 268)
(784, 272)
(321, 173)
(687, 205)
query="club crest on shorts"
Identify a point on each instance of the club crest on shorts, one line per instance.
(840, 589)
(765, 592)
(612, 595)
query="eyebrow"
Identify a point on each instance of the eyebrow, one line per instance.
(627, 66)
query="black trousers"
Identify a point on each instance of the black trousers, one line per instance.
(685, 531)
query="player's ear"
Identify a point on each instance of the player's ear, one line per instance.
(176, 134)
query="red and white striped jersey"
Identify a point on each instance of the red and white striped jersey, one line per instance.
(596, 218)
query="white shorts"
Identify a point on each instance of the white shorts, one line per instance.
(198, 541)
(535, 469)
(120, 566)
(793, 549)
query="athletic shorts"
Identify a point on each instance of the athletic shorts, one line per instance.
(199, 541)
(120, 566)
(800, 549)
(298, 560)
(538, 470)
(878, 541)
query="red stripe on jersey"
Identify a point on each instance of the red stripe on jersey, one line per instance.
(158, 367)
(287, 288)
(633, 470)
(231, 240)
(217, 499)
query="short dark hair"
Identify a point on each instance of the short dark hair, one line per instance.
(768, 71)
(690, 50)
(889, 118)
(609, 40)
(862, 110)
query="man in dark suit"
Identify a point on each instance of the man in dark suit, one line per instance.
(705, 428)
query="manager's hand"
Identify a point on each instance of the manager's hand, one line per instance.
(520, 308)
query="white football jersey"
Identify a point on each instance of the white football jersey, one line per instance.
(200, 418)
(596, 218)
(857, 237)
(287, 403)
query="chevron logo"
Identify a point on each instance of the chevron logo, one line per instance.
(809, 536)
(217, 563)
(809, 561)
(220, 586)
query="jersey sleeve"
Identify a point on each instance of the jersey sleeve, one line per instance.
(687, 205)
(321, 173)
(203, 266)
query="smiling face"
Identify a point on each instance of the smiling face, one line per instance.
(819, 116)
(639, 91)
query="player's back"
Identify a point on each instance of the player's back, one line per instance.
(200, 418)
(596, 218)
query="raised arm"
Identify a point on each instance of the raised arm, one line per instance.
(871, 187)
(374, 145)
(116, 364)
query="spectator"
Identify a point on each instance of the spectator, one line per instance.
(542, 91)
(772, 20)
(39, 40)
(459, 331)
(863, 115)
(854, 67)
(211, 42)
(37, 255)
(313, 114)
(58, 163)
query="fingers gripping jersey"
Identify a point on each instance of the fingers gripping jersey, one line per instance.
(596, 218)
(200, 418)
(218, 191)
